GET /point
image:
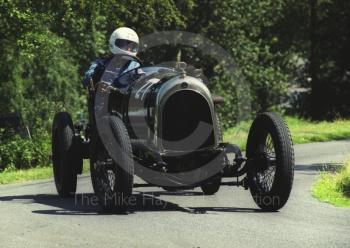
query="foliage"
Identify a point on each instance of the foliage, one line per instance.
(19, 153)
(343, 179)
(46, 45)
(44, 48)
(243, 30)
(318, 32)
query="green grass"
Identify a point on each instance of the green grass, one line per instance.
(17, 176)
(334, 188)
(303, 131)
(25, 175)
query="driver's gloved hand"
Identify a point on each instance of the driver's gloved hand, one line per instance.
(94, 72)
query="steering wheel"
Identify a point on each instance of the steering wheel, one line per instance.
(127, 75)
(134, 58)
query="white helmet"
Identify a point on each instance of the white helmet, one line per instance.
(124, 41)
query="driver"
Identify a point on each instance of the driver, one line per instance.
(123, 41)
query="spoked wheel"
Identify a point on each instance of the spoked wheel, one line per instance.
(270, 163)
(65, 158)
(112, 180)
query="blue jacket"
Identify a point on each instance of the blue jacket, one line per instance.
(98, 66)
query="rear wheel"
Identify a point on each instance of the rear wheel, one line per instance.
(64, 158)
(112, 180)
(212, 186)
(270, 163)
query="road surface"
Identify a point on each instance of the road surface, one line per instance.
(31, 215)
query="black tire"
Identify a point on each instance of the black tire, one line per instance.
(112, 182)
(270, 152)
(63, 155)
(211, 187)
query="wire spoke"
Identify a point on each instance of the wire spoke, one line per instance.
(266, 177)
(104, 166)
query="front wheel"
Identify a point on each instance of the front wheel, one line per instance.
(112, 180)
(270, 161)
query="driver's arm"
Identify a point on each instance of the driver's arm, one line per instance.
(94, 72)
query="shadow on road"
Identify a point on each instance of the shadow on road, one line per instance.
(86, 204)
(318, 167)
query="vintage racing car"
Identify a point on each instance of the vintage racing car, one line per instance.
(163, 127)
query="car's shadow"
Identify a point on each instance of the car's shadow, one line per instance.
(87, 204)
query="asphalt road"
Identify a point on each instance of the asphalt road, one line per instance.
(31, 215)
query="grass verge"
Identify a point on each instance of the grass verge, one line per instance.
(303, 131)
(17, 176)
(334, 187)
